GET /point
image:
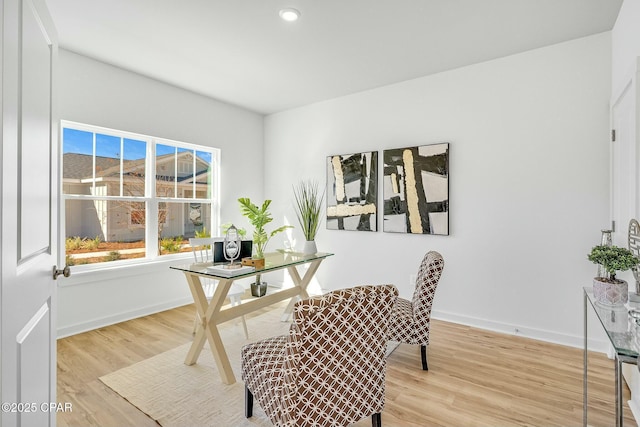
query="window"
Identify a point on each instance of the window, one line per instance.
(122, 190)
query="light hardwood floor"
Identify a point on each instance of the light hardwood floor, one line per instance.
(475, 377)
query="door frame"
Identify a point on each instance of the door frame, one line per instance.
(630, 85)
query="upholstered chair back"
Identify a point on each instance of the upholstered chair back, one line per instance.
(424, 293)
(336, 355)
(330, 369)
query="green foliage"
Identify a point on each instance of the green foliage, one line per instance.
(202, 233)
(91, 244)
(308, 205)
(76, 243)
(259, 217)
(113, 256)
(171, 244)
(241, 231)
(613, 258)
(73, 243)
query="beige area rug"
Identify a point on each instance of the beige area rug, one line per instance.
(175, 394)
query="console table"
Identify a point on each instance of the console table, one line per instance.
(211, 313)
(623, 332)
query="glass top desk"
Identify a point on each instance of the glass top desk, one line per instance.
(623, 332)
(212, 313)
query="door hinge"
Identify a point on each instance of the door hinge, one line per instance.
(613, 226)
(613, 135)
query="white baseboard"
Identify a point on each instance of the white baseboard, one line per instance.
(121, 317)
(523, 331)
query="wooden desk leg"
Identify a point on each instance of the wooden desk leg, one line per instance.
(213, 336)
(302, 284)
(207, 328)
(200, 301)
(220, 355)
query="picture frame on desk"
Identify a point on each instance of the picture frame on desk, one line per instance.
(246, 248)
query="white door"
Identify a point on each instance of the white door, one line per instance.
(624, 168)
(28, 216)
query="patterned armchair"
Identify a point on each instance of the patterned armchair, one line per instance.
(330, 369)
(411, 319)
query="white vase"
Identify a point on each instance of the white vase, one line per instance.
(309, 247)
(608, 293)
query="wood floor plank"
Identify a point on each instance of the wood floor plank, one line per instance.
(475, 377)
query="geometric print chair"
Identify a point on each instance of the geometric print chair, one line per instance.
(330, 369)
(411, 319)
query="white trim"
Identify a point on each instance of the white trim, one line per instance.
(629, 83)
(523, 331)
(121, 269)
(121, 317)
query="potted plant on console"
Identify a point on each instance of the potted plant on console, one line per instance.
(308, 205)
(259, 217)
(609, 290)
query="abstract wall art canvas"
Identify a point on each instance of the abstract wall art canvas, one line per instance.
(352, 191)
(416, 189)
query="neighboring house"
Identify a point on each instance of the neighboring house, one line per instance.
(123, 219)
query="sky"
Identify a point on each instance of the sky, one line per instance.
(81, 142)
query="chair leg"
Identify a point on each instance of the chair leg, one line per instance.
(244, 326)
(248, 402)
(376, 420)
(235, 300)
(423, 353)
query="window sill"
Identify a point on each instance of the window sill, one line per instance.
(106, 271)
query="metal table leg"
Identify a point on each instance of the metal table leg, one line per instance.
(619, 411)
(584, 367)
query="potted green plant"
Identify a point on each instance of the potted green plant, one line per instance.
(607, 289)
(308, 206)
(259, 217)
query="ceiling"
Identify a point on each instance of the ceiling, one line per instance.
(241, 52)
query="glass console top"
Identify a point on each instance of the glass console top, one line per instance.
(622, 329)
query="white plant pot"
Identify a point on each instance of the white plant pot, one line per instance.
(309, 247)
(612, 294)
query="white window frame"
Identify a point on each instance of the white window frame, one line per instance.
(150, 198)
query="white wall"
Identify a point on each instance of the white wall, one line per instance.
(625, 43)
(529, 181)
(95, 93)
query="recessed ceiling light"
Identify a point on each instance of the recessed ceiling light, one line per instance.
(289, 14)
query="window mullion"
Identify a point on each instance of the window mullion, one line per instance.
(121, 166)
(151, 228)
(93, 173)
(175, 173)
(193, 175)
(214, 191)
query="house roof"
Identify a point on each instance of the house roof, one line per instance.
(80, 166)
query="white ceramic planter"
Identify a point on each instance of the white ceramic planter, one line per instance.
(612, 294)
(309, 247)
